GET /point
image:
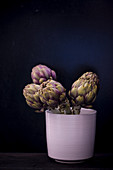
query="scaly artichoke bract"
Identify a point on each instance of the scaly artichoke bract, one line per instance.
(84, 90)
(52, 93)
(31, 94)
(41, 73)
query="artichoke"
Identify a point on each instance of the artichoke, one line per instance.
(41, 73)
(31, 94)
(84, 90)
(52, 93)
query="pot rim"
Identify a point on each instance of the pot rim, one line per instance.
(87, 112)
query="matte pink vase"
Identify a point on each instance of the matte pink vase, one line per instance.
(70, 138)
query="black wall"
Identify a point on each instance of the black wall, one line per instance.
(70, 37)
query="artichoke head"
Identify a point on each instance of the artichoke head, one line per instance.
(84, 90)
(31, 94)
(52, 93)
(41, 73)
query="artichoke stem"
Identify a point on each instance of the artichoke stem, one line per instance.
(76, 110)
(65, 110)
(64, 107)
(56, 111)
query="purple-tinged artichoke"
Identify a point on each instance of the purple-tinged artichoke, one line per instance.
(31, 94)
(84, 90)
(52, 93)
(41, 73)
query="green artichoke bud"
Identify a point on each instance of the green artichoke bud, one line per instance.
(84, 90)
(41, 73)
(52, 93)
(31, 94)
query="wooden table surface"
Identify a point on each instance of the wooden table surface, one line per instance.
(24, 161)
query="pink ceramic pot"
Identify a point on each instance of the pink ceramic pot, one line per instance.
(71, 137)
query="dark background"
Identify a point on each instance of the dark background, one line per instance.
(70, 37)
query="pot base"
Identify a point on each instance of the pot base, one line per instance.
(69, 162)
